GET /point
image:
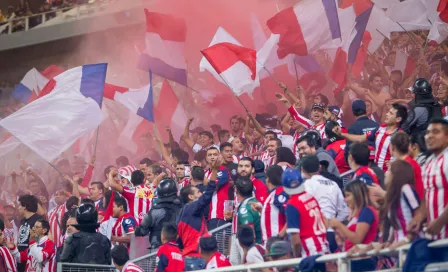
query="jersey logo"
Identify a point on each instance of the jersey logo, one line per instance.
(281, 198)
(127, 221)
(243, 211)
(219, 174)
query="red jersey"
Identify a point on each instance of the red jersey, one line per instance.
(169, 258)
(39, 257)
(366, 215)
(260, 190)
(181, 184)
(336, 151)
(435, 182)
(217, 260)
(221, 194)
(131, 267)
(55, 219)
(10, 261)
(273, 215)
(367, 175)
(254, 148)
(417, 175)
(139, 200)
(237, 158)
(304, 217)
(124, 225)
(382, 143)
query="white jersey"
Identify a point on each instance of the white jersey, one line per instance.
(329, 197)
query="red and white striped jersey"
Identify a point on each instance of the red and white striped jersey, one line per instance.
(10, 261)
(267, 160)
(254, 148)
(139, 200)
(435, 182)
(217, 260)
(184, 182)
(237, 158)
(307, 123)
(39, 257)
(382, 143)
(304, 217)
(221, 194)
(124, 225)
(131, 267)
(295, 137)
(409, 202)
(55, 219)
(11, 234)
(273, 215)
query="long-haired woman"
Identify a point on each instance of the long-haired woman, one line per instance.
(363, 223)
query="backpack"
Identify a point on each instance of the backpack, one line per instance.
(93, 248)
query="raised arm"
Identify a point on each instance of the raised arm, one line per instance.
(247, 135)
(89, 172)
(113, 180)
(350, 137)
(165, 154)
(286, 128)
(257, 125)
(186, 135)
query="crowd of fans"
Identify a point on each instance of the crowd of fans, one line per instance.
(279, 183)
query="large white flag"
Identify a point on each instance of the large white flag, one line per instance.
(72, 108)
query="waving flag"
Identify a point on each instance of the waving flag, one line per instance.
(347, 53)
(165, 47)
(439, 29)
(72, 108)
(30, 86)
(305, 27)
(233, 64)
(169, 111)
(411, 14)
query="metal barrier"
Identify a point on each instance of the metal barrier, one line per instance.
(75, 267)
(222, 235)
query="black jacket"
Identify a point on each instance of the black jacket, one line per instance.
(84, 247)
(164, 211)
(361, 126)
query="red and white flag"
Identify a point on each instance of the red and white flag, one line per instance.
(305, 27)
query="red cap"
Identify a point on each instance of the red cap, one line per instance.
(433, 43)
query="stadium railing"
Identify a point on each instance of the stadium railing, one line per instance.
(55, 15)
(222, 235)
(78, 267)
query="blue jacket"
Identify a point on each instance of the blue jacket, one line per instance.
(361, 126)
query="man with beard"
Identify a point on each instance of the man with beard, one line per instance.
(268, 157)
(246, 169)
(235, 126)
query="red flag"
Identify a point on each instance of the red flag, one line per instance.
(110, 208)
(223, 56)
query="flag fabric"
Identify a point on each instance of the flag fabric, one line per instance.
(404, 63)
(52, 71)
(164, 54)
(169, 111)
(411, 14)
(71, 109)
(30, 86)
(138, 101)
(347, 52)
(439, 29)
(305, 27)
(235, 65)
(260, 40)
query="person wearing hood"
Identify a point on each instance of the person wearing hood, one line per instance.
(423, 108)
(165, 211)
(87, 245)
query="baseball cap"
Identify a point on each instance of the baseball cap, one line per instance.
(197, 130)
(433, 43)
(359, 105)
(318, 106)
(126, 172)
(336, 111)
(279, 248)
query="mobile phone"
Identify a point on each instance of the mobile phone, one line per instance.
(187, 170)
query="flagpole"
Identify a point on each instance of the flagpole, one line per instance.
(241, 102)
(269, 73)
(407, 33)
(55, 168)
(297, 74)
(96, 140)
(392, 42)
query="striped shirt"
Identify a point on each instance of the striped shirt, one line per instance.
(39, 257)
(139, 200)
(382, 144)
(131, 267)
(273, 214)
(55, 219)
(435, 182)
(307, 123)
(267, 160)
(10, 262)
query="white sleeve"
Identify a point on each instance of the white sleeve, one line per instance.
(342, 211)
(254, 256)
